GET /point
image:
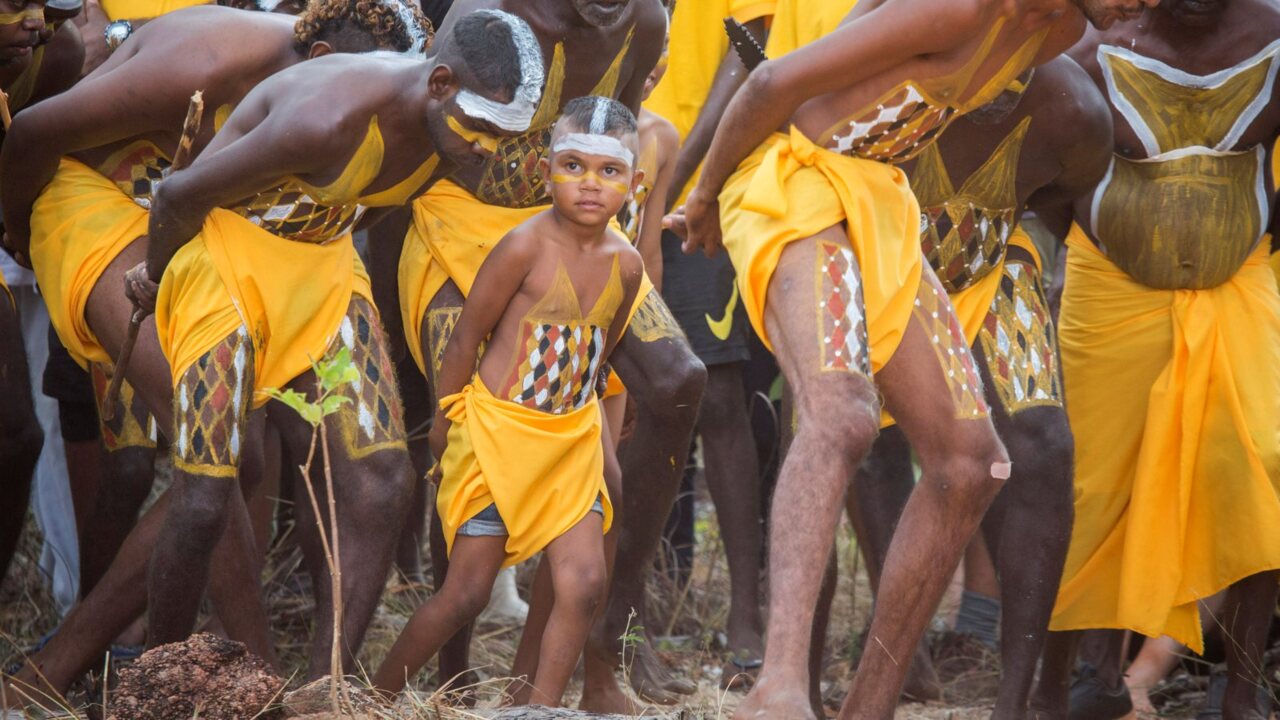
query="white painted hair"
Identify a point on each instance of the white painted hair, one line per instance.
(417, 37)
(267, 5)
(595, 143)
(517, 115)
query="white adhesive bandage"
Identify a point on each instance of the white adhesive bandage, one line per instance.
(605, 145)
(1002, 471)
(517, 115)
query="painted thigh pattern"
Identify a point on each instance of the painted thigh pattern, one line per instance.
(374, 419)
(440, 324)
(1019, 344)
(653, 320)
(133, 426)
(842, 319)
(934, 315)
(211, 405)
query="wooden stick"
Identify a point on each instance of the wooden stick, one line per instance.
(5, 117)
(190, 128)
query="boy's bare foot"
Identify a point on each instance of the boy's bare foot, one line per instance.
(653, 681)
(608, 700)
(766, 703)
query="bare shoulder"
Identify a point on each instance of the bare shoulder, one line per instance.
(650, 17)
(630, 264)
(522, 243)
(1069, 107)
(660, 130)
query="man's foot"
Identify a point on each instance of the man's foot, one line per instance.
(1091, 699)
(653, 681)
(1215, 699)
(740, 670)
(764, 702)
(967, 668)
(608, 700)
(922, 683)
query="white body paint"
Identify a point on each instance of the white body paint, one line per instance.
(517, 115)
(605, 145)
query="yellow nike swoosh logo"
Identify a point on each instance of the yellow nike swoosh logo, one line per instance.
(722, 327)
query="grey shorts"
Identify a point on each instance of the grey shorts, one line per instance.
(488, 523)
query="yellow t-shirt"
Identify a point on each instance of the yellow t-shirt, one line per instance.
(797, 23)
(144, 9)
(697, 43)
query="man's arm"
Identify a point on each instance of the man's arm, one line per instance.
(63, 57)
(874, 43)
(498, 280)
(649, 241)
(1082, 135)
(729, 77)
(118, 105)
(94, 22)
(251, 154)
(651, 25)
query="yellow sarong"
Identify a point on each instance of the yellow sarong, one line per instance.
(80, 223)
(1174, 400)
(791, 189)
(290, 296)
(452, 233)
(542, 471)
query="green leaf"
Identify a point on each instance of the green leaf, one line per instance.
(333, 404)
(336, 371)
(298, 402)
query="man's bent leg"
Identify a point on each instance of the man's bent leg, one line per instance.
(932, 388)
(665, 378)
(20, 434)
(211, 405)
(815, 318)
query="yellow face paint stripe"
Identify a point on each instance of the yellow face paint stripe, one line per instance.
(486, 141)
(612, 184)
(32, 13)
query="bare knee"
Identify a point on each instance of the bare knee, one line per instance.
(1042, 450)
(843, 416)
(972, 470)
(464, 601)
(676, 388)
(22, 445)
(391, 480)
(199, 511)
(131, 472)
(579, 585)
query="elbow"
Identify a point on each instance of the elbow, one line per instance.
(763, 81)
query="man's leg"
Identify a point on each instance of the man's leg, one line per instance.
(828, 371)
(372, 481)
(660, 371)
(20, 434)
(932, 388)
(1250, 605)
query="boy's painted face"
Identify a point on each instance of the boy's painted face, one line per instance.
(590, 176)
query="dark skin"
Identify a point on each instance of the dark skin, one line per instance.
(661, 373)
(1199, 39)
(1029, 524)
(289, 127)
(20, 435)
(884, 43)
(226, 52)
(93, 22)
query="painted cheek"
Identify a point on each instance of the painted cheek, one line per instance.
(488, 142)
(621, 188)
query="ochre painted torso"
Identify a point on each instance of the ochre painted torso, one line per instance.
(964, 233)
(1189, 214)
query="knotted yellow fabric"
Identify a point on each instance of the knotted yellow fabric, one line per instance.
(542, 471)
(80, 223)
(791, 189)
(290, 296)
(1174, 399)
(451, 234)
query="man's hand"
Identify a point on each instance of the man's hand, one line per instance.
(141, 289)
(96, 51)
(698, 222)
(18, 249)
(438, 439)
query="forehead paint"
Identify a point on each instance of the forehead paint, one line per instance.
(35, 12)
(487, 141)
(561, 179)
(268, 5)
(605, 145)
(417, 37)
(517, 115)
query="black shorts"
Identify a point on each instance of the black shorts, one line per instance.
(700, 292)
(71, 386)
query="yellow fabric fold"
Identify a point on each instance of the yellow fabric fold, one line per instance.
(80, 223)
(290, 296)
(451, 234)
(791, 189)
(542, 471)
(1174, 399)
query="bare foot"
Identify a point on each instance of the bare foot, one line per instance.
(764, 702)
(652, 679)
(608, 699)
(1142, 702)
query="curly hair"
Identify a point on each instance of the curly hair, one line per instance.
(395, 25)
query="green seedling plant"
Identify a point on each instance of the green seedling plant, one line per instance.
(332, 375)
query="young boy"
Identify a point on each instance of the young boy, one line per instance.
(523, 470)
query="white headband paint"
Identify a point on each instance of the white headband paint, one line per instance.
(418, 38)
(595, 144)
(268, 5)
(517, 115)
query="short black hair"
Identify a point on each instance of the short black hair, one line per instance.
(484, 43)
(600, 116)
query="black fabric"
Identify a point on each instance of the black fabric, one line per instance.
(696, 288)
(70, 385)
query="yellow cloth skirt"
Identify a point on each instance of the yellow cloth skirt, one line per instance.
(791, 189)
(80, 223)
(451, 235)
(1174, 400)
(543, 471)
(290, 296)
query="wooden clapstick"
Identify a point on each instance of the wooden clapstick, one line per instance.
(5, 117)
(190, 128)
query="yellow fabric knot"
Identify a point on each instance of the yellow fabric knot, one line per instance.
(455, 405)
(766, 194)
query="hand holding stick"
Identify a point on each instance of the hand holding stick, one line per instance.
(138, 285)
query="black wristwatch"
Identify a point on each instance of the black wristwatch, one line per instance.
(116, 33)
